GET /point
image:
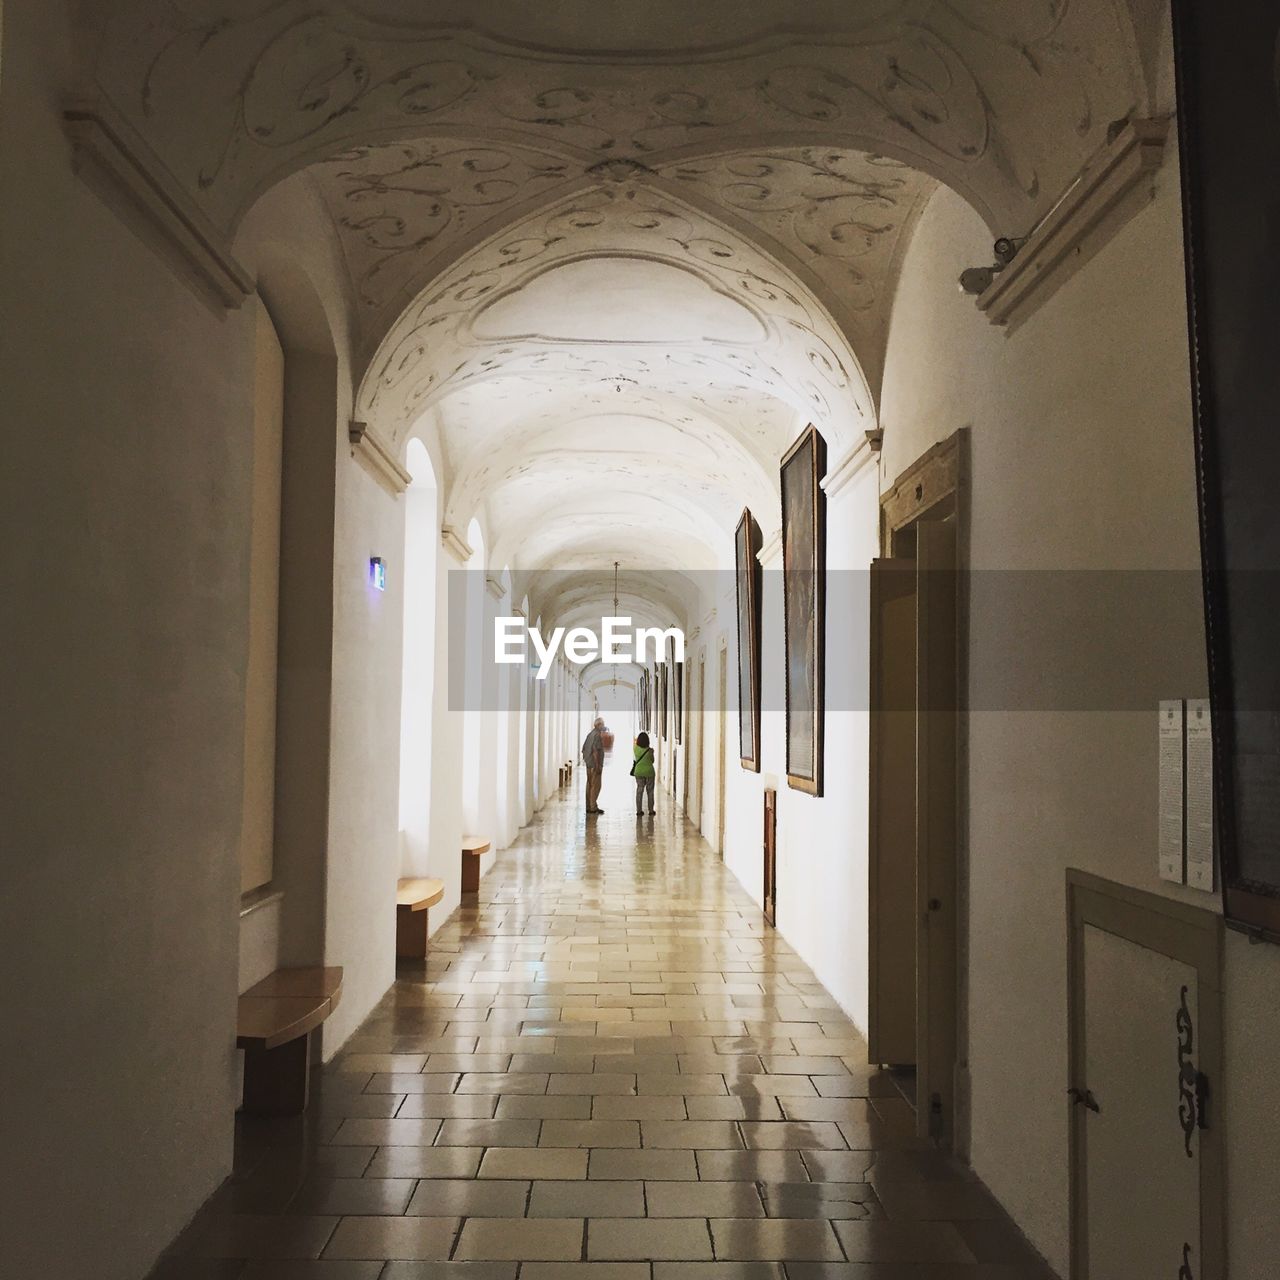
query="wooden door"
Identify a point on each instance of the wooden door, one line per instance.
(891, 1031)
(1142, 1175)
(1144, 1004)
(935, 834)
(770, 855)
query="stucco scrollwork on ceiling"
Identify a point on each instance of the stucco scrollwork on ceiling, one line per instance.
(432, 349)
(844, 209)
(398, 206)
(985, 94)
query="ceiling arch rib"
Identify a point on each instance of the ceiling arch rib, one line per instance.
(835, 219)
(434, 348)
(694, 466)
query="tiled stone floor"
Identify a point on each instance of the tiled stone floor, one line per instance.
(610, 1068)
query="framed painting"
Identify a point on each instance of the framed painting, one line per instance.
(747, 543)
(677, 700)
(662, 699)
(803, 606)
(1229, 125)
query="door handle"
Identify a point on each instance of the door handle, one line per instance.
(1084, 1098)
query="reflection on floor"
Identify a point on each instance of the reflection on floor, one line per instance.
(610, 1068)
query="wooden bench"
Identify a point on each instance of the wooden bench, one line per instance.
(413, 897)
(274, 1022)
(472, 848)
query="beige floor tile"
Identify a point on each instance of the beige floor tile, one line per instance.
(406, 1238)
(685, 1085)
(489, 1133)
(648, 1238)
(691, 1134)
(597, 1082)
(469, 1198)
(457, 1063)
(542, 1107)
(659, 1165)
(751, 1166)
(784, 1239)
(533, 1162)
(605, 1107)
(503, 1082)
(583, 1271)
(703, 1200)
(717, 1271)
(621, 991)
(420, 1083)
(776, 1086)
(588, 1199)
(783, 1135)
(522, 1239)
(590, 1133)
(425, 1162)
(447, 1106)
(387, 1133)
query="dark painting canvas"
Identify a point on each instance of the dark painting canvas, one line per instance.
(747, 542)
(1228, 62)
(803, 582)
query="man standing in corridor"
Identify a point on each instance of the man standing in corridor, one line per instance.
(593, 758)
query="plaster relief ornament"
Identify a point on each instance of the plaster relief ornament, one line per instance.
(393, 204)
(435, 346)
(977, 93)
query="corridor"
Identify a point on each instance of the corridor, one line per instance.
(611, 1068)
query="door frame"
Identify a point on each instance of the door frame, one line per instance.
(1194, 937)
(936, 486)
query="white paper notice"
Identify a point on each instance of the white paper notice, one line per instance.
(1171, 792)
(1199, 768)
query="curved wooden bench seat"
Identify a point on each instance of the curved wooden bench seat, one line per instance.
(413, 896)
(419, 892)
(472, 848)
(274, 1022)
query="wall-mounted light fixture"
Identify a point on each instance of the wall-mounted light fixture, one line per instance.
(976, 280)
(377, 573)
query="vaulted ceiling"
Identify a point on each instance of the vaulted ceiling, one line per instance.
(618, 255)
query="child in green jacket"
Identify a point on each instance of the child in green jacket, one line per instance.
(644, 772)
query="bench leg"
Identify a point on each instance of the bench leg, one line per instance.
(276, 1081)
(411, 934)
(470, 873)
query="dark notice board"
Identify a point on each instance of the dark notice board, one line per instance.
(1228, 66)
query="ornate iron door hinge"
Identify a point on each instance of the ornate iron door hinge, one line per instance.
(1193, 1085)
(1184, 1271)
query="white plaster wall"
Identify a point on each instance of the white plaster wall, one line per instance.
(444, 856)
(364, 770)
(822, 841)
(1081, 457)
(422, 549)
(125, 505)
(821, 895)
